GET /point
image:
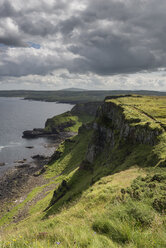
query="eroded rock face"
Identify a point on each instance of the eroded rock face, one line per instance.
(39, 132)
(56, 128)
(111, 126)
(137, 133)
(89, 108)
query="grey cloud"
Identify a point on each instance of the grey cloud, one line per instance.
(106, 37)
(12, 41)
(6, 9)
(28, 65)
(9, 33)
(34, 26)
(106, 53)
(67, 26)
(134, 40)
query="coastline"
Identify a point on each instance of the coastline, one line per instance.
(18, 181)
(16, 117)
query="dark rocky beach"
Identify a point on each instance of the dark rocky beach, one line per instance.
(18, 181)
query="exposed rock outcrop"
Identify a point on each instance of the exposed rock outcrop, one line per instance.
(38, 132)
(59, 123)
(111, 128)
(89, 108)
(68, 119)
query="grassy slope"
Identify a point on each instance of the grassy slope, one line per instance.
(147, 111)
(67, 117)
(117, 203)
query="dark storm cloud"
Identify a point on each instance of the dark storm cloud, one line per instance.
(102, 37)
(37, 18)
(120, 37)
(6, 9)
(34, 26)
(12, 41)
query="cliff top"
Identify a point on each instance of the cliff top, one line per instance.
(116, 200)
(143, 110)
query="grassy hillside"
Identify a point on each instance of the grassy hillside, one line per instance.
(117, 200)
(148, 112)
(66, 122)
(144, 109)
(72, 120)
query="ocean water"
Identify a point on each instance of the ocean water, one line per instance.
(16, 116)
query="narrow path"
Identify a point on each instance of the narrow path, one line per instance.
(148, 115)
(23, 212)
(17, 183)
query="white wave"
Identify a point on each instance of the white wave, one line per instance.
(12, 143)
(1, 147)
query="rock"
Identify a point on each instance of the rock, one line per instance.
(22, 166)
(30, 147)
(56, 129)
(69, 140)
(39, 157)
(89, 108)
(20, 161)
(35, 133)
(55, 156)
(38, 132)
(111, 125)
(2, 164)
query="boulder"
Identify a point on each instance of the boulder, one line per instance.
(2, 164)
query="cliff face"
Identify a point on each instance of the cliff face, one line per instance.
(72, 120)
(89, 108)
(111, 128)
(126, 133)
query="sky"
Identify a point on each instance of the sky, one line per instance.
(90, 44)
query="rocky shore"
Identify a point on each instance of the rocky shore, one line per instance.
(18, 181)
(40, 132)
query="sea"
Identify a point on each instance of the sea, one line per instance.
(18, 115)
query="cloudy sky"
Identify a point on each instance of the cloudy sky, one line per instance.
(92, 44)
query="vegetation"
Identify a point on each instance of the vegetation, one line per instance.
(71, 121)
(67, 122)
(143, 109)
(116, 201)
(68, 96)
(149, 112)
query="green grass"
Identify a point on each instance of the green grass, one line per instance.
(143, 109)
(67, 122)
(147, 112)
(8, 217)
(72, 155)
(117, 201)
(131, 218)
(104, 216)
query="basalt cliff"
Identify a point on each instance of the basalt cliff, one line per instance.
(103, 187)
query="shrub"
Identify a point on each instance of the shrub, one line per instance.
(159, 204)
(111, 229)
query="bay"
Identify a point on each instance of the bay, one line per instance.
(18, 115)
